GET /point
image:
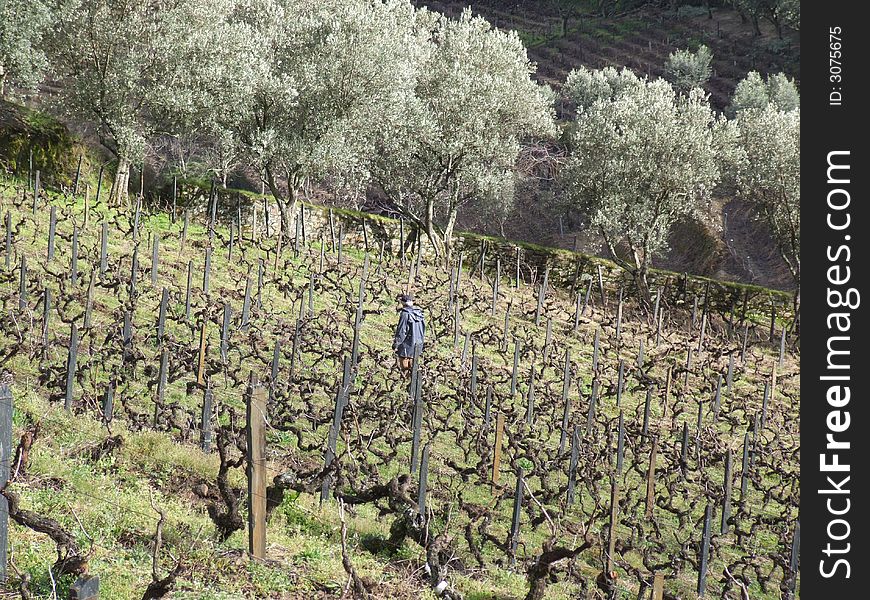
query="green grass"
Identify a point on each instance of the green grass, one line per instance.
(109, 502)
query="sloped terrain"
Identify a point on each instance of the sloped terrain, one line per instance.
(694, 388)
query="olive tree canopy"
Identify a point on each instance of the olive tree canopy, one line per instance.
(643, 157)
(473, 105)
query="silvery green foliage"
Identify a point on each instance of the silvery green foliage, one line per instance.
(754, 92)
(132, 68)
(330, 75)
(783, 92)
(643, 157)
(22, 26)
(687, 70)
(585, 86)
(768, 174)
(473, 105)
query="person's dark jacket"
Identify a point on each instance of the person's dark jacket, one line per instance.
(409, 331)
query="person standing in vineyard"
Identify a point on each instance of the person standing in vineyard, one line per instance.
(409, 332)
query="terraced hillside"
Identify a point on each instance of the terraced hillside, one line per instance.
(640, 39)
(574, 442)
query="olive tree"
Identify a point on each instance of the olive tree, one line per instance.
(643, 157)
(330, 76)
(778, 12)
(23, 23)
(129, 68)
(768, 175)
(754, 92)
(473, 106)
(688, 70)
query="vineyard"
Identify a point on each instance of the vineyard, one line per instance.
(194, 383)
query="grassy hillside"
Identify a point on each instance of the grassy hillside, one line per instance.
(103, 481)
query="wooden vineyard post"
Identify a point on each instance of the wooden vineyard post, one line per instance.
(205, 271)
(620, 382)
(516, 366)
(593, 397)
(717, 398)
(256, 438)
(200, 371)
(684, 446)
(601, 289)
(651, 479)
(205, 426)
(793, 562)
(773, 382)
(530, 406)
(5, 459)
(161, 315)
(162, 376)
(89, 299)
(134, 270)
(585, 301)
(705, 554)
(8, 257)
(155, 260)
(74, 257)
(187, 291)
(744, 470)
(46, 318)
(297, 334)
(52, 226)
(421, 488)
(577, 310)
(496, 456)
(474, 362)
(542, 293)
(515, 519)
(668, 379)
(645, 428)
(619, 320)
(658, 591)
(71, 366)
(726, 502)
(342, 395)
(614, 499)
(729, 377)
(109, 402)
(246, 306)
(22, 284)
(595, 352)
(78, 175)
(566, 400)
(495, 282)
(703, 332)
(782, 349)
(572, 465)
(417, 420)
